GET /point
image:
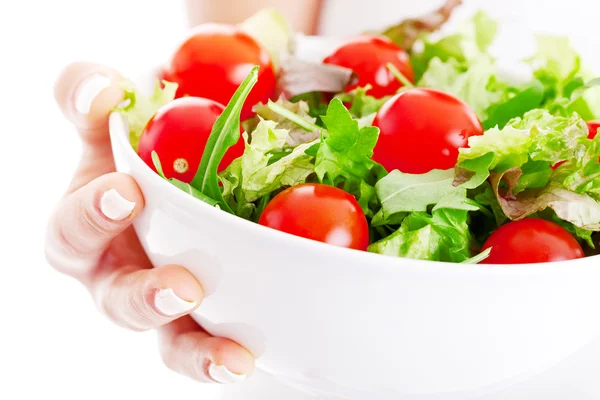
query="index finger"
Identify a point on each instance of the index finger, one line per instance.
(86, 93)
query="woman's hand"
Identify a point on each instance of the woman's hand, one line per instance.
(90, 238)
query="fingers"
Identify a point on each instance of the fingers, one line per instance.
(86, 221)
(86, 93)
(147, 298)
(187, 349)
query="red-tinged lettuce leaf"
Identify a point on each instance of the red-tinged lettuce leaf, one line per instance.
(406, 33)
(580, 210)
(298, 77)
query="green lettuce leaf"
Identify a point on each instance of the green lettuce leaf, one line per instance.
(255, 175)
(441, 236)
(475, 85)
(362, 104)
(400, 192)
(346, 149)
(538, 136)
(469, 45)
(138, 109)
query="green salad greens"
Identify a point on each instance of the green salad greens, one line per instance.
(536, 158)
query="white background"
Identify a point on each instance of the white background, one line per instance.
(52, 342)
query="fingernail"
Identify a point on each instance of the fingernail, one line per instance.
(169, 304)
(114, 206)
(88, 90)
(220, 373)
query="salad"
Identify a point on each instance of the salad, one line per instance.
(405, 142)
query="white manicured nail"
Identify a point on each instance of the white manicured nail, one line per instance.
(169, 304)
(88, 90)
(221, 374)
(114, 206)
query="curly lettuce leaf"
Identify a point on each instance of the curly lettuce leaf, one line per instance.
(138, 109)
(296, 134)
(578, 209)
(538, 136)
(255, 175)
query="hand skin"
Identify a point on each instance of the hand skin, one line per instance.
(106, 256)
(302, 15)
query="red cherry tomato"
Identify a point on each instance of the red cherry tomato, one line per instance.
(367, 56)
(593, 127)
(215, 60)
(422, 129)
(318, 212)
(531, 241)
(178, 133)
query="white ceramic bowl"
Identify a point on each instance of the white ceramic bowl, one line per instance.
(363, 326)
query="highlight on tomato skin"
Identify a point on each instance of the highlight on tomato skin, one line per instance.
(422, 129)
(215, 60)
(319, 212)
(530, 241)
(368, 57)
(178, 132)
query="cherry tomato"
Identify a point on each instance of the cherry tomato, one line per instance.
(422, 129)
(318, 212)
(215, 60)
(367, 56)
(531, 241)
(178, 133)
(593, 127)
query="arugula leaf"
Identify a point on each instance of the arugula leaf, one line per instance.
(186, 187)
(345, 149)
(527, 99)
(225, 133)
(400, 192)
(138, 109)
